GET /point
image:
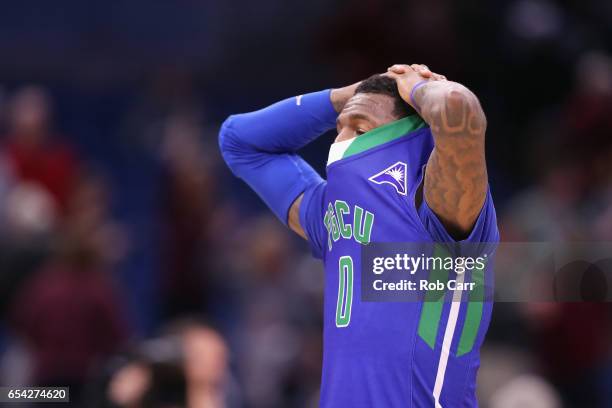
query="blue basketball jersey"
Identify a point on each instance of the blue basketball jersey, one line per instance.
(389, 354)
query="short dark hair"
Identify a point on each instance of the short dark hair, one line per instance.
(383, 85)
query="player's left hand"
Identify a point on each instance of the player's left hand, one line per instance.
(407, 76)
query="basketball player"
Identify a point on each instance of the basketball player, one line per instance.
(408, 165)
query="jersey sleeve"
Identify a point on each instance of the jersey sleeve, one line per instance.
(312, 211)
(485, 228)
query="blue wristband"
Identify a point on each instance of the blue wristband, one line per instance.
(414, 88)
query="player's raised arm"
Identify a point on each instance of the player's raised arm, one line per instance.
(259, 147)
(455, 185)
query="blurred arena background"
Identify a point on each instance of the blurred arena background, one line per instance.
(135, 269)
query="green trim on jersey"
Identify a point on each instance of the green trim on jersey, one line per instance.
(474, 314)
(384, 134)
(431, 312)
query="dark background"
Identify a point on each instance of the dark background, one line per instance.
(125, 244)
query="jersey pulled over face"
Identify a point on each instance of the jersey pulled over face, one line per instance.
(388, 354)
(362, 113)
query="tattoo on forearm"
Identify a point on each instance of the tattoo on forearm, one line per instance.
(456, 176)
(450, 109)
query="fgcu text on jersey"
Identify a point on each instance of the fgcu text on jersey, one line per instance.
(390, 354)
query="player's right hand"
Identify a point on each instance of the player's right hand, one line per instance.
(340, 96)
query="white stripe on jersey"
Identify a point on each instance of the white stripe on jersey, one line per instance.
(451, 324)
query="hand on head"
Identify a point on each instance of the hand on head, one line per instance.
(421, 69)
(408, 76)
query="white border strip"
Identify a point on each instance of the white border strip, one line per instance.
(337, 150)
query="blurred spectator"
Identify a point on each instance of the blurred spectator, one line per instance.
(277, 354)
(27, 222)
(205, 358)
(89, 221)
(33, 151)
(186, 367)
(69, 315)
(28, 212)
(567, 203)
(27, 219)
(570, 162)
(129, 385)
(189, 196)
(154, 376)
